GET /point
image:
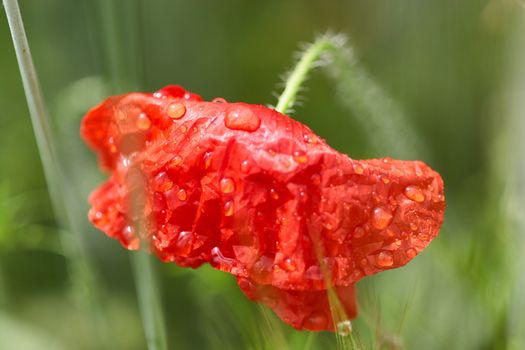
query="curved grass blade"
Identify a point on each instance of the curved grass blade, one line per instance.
(60, 189)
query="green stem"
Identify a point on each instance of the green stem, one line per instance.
(382, 119)
(35, 101)
(149, 301)
(124, 74)
(60, 189)
(299, 74)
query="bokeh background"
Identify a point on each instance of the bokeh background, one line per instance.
(449, 88)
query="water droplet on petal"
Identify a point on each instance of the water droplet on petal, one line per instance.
(125, 162)
(411, 252)
(98, 217)
(309, 138)
(385, 259)
(143, 122)
(183, 244)
(228, 208)
(245, 166)
(385, 180)
(162, 182)
(133, 244)
(208, 156)
(132, 241)
(128, 231)
(413, 226)
(242, 118)
(274, 194)
(303, 196)
(358, 169)
(300, 157)
(175, 161)
(173, 91)
(289, 265)
(381, 218)
(227, 185)
(344, 328)
(219, 100)
(182, 195)
(218, 260)
(415, 194)
(176, 110)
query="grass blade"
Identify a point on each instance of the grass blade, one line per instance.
(60, 190)
(124, 74)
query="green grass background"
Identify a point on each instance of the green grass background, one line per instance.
(453, 71)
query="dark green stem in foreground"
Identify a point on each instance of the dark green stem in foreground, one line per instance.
(35, 101)
(60, 189)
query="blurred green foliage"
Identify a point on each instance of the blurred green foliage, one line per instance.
(451, 68)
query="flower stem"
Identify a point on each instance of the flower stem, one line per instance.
(309, 60)
(382, 119)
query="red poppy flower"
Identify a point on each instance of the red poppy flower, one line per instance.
(259, 195)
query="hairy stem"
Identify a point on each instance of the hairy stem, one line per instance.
(299, 74)
(382, 119)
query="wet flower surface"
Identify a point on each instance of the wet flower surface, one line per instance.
(256, 194)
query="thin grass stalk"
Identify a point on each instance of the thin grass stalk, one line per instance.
(123, 75)
(3, 291)
(79, 267)
(508, 174)
(273, 331)
(149, 301)
(35, 101)
(380, 116)
(315, 55)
